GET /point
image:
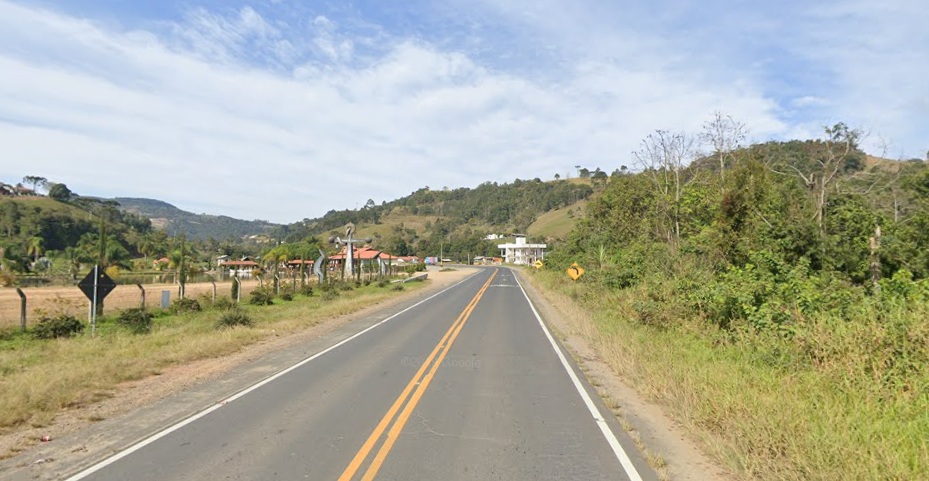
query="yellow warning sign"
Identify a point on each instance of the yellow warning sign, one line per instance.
(575, 271)
(538, 264)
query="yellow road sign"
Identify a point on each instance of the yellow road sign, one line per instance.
(538, 264)
(575, 271)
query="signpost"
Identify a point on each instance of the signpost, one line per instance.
(96, 286)
(575, 272)
(538, 264)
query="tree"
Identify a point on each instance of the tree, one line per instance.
(557, 176)
(839, 145)
(663, 156)
(35, 248)
(583, 173)
(725, 135)
(60, 192)
(36, 181)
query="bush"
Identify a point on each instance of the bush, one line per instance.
(286, 296)
(330, 295)
(185, 305)
(232, 318)
(223, 303)
(58, 326)
(137, 319)
(307, 290)
(346, 287)
(398, 287)
(261, 297)
(383, 283)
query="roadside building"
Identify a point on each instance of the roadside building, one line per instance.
(520, 252)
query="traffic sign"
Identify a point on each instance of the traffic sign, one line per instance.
(575, 271)
(538, 264)
(104, 284)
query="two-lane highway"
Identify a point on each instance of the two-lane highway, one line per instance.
(468, 384)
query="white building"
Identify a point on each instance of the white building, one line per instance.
(522, 253)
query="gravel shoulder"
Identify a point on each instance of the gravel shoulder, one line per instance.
(681, 458)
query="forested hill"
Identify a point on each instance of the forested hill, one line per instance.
(452, 220)
(196, 226)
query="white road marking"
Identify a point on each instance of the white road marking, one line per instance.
(170, 429)
(597, 415)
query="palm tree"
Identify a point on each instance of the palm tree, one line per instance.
(34, 248)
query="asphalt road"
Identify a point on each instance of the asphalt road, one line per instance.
(467, 385)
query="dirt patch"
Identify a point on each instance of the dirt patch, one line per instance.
(71, 299)
(667, 445)
(145, 392)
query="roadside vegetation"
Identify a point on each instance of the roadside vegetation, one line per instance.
(774, 298)
(42, 373)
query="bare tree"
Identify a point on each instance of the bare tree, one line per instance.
(663, 156)
(725, 135)
(839, 143)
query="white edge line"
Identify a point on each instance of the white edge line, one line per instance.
(594, 411)
(170, 429)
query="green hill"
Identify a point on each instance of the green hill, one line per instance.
(196, 226)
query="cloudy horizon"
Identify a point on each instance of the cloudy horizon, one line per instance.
(283, 110)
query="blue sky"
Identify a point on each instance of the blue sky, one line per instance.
(283, 109)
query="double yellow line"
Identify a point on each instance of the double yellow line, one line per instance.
(420, 382)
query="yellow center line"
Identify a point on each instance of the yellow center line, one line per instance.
(420, 383)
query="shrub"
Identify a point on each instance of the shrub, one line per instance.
(137, 319)
(346, 287)
(398, 287)
(330, 295)
(383, 283)
(261, 297)
(58, 326)
(286, 296)
(223, 303)
(232, 318)
(307, 290)
(185, 305)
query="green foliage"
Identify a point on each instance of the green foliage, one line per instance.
(233, 318)
(186, 304)
(330, 294)
(223, 303)
(57, 327)
(306, 290)
(136, 319)
(262, 296)
(286, 296)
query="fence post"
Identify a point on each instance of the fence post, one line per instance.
(142, 290)
(22, 309)
(277, 285)
(214, 290)
(237, 285)
(261, 282)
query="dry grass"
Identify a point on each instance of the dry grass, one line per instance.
(760, 421)
(40, 378)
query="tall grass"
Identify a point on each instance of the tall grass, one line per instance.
(846, 397)
(39, 378)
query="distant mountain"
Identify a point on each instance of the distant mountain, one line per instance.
(196, 226)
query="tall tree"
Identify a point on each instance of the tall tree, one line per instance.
(36, 181)
(725, 135)
(663, 157)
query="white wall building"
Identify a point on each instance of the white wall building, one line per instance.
(522, 253)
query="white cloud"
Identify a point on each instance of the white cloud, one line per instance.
(242, 115)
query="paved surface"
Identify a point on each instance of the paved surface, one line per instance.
(466, 385)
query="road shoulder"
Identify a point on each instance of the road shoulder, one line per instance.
(667, 446)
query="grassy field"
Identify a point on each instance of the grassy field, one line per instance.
(762, 421)
(38, 378)
(557, 223)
